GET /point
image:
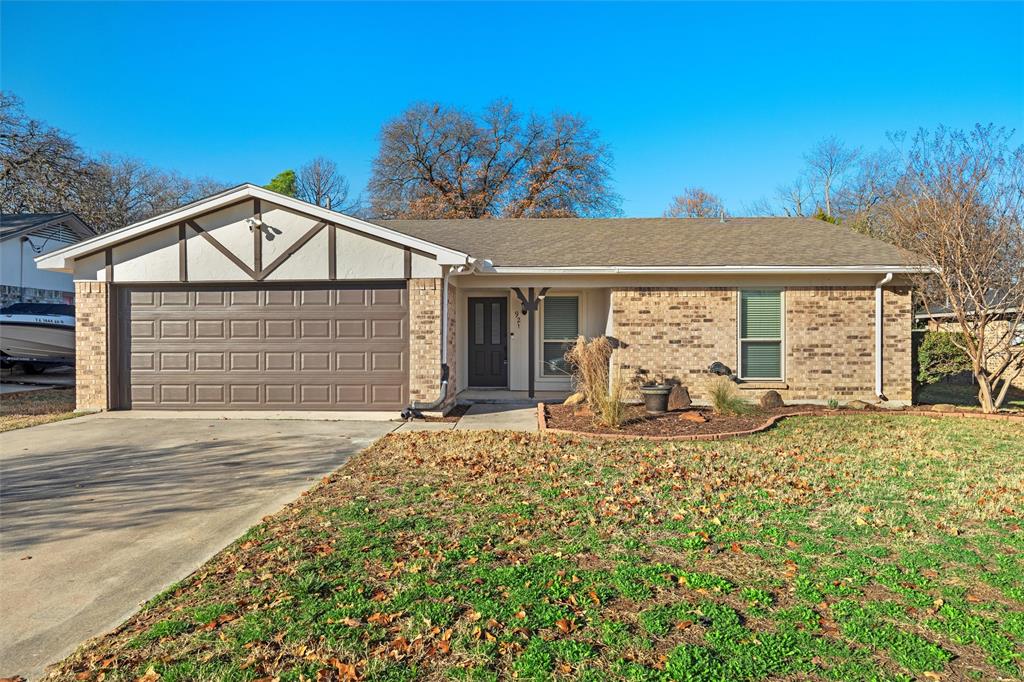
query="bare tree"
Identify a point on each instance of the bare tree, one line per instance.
(695, 202)
(958, 203)
(862, 200)
(828, 160)
(794, 197)
(43, 170)
(761, 207)
(122, 190)
(567, 172)
(441, 162)
(320, 183)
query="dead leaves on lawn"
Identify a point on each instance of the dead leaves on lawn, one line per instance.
(533, 491)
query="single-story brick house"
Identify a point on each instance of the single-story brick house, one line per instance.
(253, 300)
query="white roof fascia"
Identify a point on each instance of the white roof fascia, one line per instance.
(697, 270)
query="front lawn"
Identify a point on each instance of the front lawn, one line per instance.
(964, 395)
(846, 548)
(31, 408)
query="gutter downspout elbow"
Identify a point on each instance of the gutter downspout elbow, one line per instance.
(879, 334)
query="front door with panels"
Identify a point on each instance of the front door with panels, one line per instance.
(488, 342)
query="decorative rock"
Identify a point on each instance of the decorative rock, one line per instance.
(943, 407)
(856, 405)
(771, 400)
(574, 399)
(679, 398)
(693, 416)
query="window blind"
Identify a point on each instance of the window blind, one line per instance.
(561, 317)
(761, 313)
(761, 359)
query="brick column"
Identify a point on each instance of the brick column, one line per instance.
(425, 340)
(91, 345)
(897, 321)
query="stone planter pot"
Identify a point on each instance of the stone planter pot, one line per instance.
(656, 397)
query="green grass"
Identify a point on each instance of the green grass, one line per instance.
(872, 547)
(964, 395)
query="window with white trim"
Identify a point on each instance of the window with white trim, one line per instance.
(561, 326)
(760, 335)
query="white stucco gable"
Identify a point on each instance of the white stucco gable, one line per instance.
(213, 240)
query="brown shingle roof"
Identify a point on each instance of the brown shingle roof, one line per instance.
(656, 242)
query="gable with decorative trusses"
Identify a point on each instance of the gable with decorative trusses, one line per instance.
(249, 234)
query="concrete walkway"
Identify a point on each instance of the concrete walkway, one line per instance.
(483, 418)
(498, 418)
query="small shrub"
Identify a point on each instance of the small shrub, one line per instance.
(610, 409)
(725, 398)
(589, 362)
(938, 356)
(833, 404)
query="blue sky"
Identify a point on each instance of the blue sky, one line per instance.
(724, 95)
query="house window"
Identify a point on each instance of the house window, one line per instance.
(761, 335)
(561, 317)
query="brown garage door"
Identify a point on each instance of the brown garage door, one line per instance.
(335, 347)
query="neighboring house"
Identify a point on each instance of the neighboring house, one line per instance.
(252, 300)
(997, 304)
(1002, 313)
(23, 236)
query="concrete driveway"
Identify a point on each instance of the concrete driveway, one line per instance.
(97, 515)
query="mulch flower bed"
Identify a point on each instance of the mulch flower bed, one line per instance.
(676, 423)
(680, 423)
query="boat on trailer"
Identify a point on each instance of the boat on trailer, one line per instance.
(37, 336)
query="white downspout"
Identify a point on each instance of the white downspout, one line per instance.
(879, 334)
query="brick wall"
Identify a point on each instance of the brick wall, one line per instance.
(677, 334)
(91, 345)
(424, 336)
(898, 353)
(673, 334)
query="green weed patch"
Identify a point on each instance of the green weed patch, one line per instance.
(836, 548)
